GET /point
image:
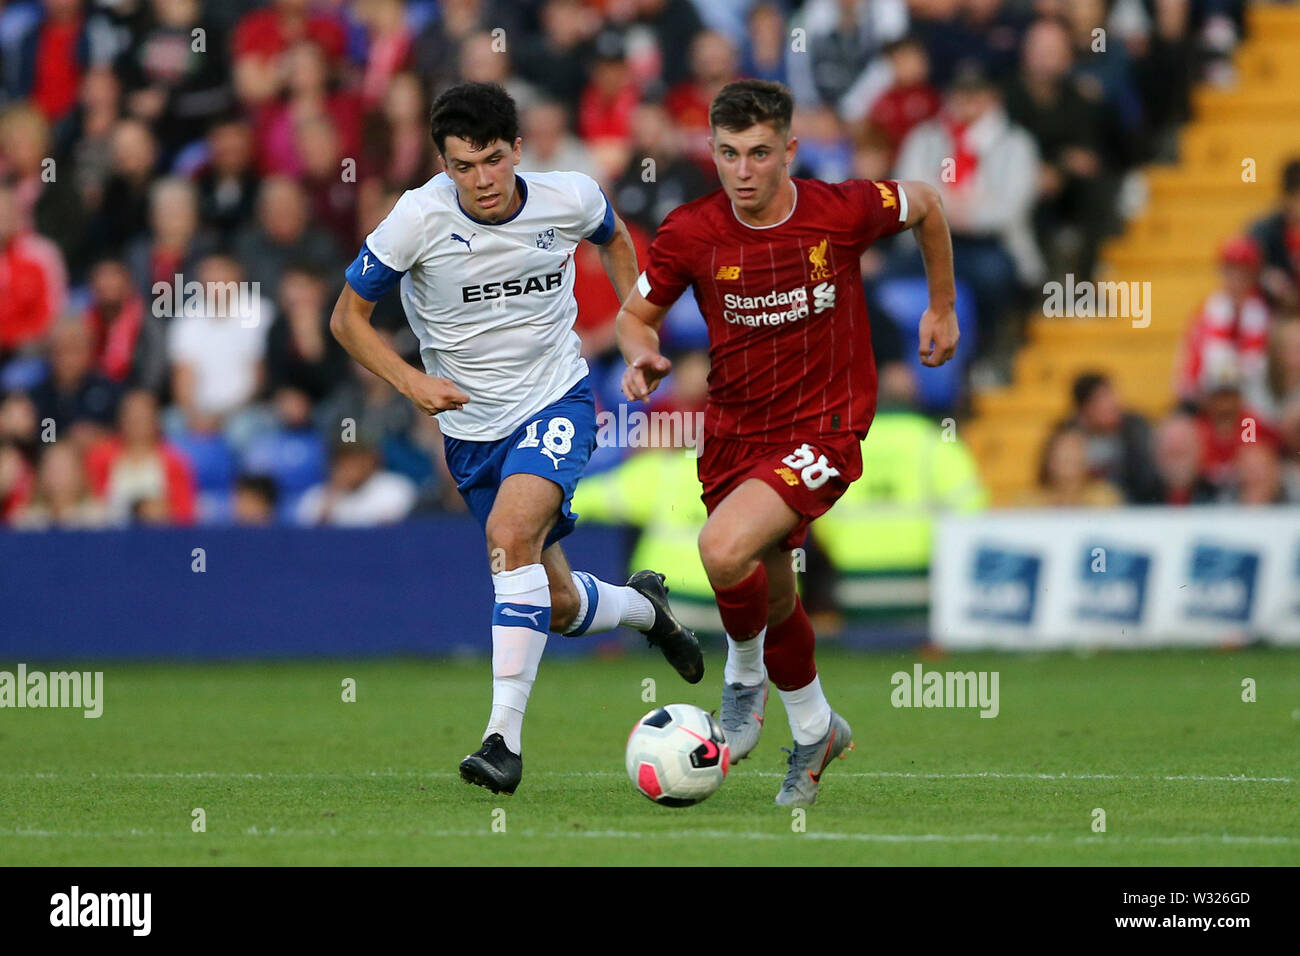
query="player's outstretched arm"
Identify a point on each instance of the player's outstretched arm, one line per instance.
(938, 329)
(618, 256)
(350, 324)
(637, 332)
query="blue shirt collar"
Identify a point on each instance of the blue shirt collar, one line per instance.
(520, 184)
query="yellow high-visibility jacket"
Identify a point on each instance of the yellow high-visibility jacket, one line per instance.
(658, 491)
(910, 475)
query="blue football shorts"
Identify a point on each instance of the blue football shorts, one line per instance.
(553, 443)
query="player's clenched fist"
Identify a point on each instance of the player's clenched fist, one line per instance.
(939, 336)
(644, 375)
(433, 395)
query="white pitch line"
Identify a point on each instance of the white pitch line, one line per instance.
(875, 774)
(997, 775)
(706, 834)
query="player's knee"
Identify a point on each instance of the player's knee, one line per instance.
(516, 545)
(724, 562)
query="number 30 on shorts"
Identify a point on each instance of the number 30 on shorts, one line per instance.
(815, 470)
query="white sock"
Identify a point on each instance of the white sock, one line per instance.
(603, 606)
(809, 713)
(745, 661)
(521, 619)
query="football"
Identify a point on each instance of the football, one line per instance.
(677, 755)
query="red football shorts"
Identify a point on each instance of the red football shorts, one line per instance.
(810, 476)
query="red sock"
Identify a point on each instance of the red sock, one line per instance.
(744, 606)
(788, 650)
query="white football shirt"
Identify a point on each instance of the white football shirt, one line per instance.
(492, 304)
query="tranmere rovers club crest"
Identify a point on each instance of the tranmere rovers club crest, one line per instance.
(546, 239)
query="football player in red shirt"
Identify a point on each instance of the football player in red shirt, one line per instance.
(774, 265)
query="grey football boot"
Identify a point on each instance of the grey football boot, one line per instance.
(742, 717)
(807, 761)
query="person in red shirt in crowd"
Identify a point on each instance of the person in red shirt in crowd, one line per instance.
(58, 59)
(276, 27)
(1227, 425)
(388, 50)
(396, 145)
(333, 201)
(177, 239)
(263, 36)
(310, 93)
(116, 316)
(713, 66)
(1230, 330)
(774, 263)
(33, 280)
(605, 110)
(909, 101)
(19, 442)
(137, 473)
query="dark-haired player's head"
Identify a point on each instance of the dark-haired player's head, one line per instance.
(751, 141)
(476, 129)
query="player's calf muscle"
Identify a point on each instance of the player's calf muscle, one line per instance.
(564, 595)
(780, 586)
(564, 608)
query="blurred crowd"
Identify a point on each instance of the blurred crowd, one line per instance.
(1235, 436)
(149, 144)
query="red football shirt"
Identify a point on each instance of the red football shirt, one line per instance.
(788, 332)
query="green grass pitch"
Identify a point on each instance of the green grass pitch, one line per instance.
(288, 773)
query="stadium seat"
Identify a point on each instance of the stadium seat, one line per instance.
(215, 466)
(294, 460)
(1192, 206)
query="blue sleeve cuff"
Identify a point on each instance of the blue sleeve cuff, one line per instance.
(369, 277)
(605, 231)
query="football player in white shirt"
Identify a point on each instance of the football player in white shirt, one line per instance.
(484, 257)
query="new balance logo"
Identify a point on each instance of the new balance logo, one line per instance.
(458, 238)
(730, 273)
